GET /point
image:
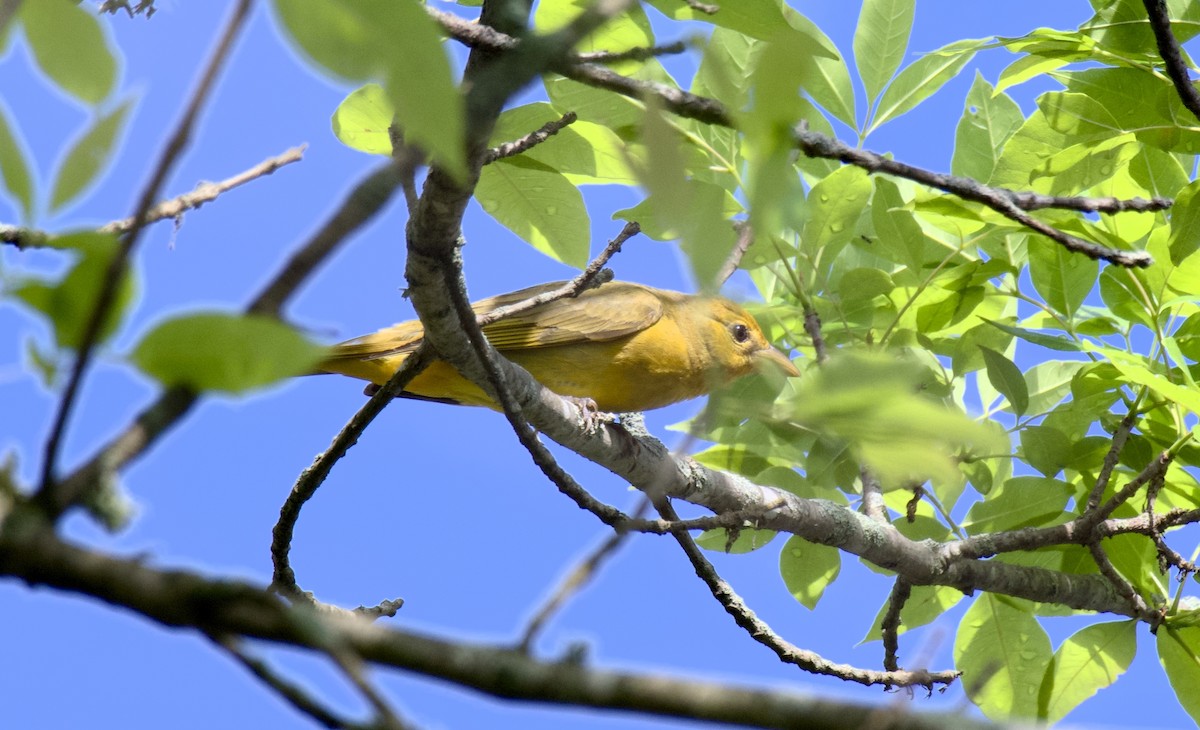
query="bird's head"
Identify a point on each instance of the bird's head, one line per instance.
(735, 343)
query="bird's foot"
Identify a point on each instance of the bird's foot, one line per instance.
(591, 418)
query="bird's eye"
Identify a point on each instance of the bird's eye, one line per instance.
(740, 332)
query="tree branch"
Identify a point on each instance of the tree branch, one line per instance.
(203, 193)
(1172, 54)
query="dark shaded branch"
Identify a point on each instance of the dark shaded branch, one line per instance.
(1172, 55)
(788, 652)
(633, 54)
(890, 626)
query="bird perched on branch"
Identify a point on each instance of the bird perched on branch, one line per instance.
(625, 346)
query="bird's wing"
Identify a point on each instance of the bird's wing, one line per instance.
(605, 313)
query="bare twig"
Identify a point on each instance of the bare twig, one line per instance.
(294, 694)
(284, 578)
(572, 288)
(890, 626)
(1172, 54)
(702, 7)
(351, 664)
(1123, 586)
(1120, 436)
(730, 266)
(361, 205)
(633, 54)
(120, 262)
(574, 581)
(786, 651)
(531, 140)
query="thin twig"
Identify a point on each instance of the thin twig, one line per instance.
(206, 192)
(1172, 54)
(575, 580)
(1120, 436)
(294, 694)
(284, 578)
(572, 288)
(531, 140)
(120, 262)
(353, 667)
(786, 651)
(360, 206)
(633, 54)
(730, 266)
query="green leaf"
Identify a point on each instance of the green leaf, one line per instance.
(829, 85)
(538, 204)
(988, 120)
(1019, 502)
(69, 302)
(362, 120)
(1045, 448)
(834, 206)
(88, 157)
(900, 235)
(1185, 224)
(396, 43)
(807, 569)
(1007, 379)
(70, 46)
(1091, 659)
(921, 79)
(1132, 367)
(880, 39)
(1179, 653)
(1003, 653)
(1027, 67)
(15, 174)
(924, 605)
(1064, 279)
(761, 19)
(1050, 342)
(224, 352)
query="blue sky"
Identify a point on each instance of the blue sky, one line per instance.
(437, 505)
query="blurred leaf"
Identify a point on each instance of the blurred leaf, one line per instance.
(69, 302)
(538, 204)
(1007, 652)
(88, 157)
(224, 352)
(880, 39)
(396, 43)
(807, 569)
(70, 46)
(14, 167)
(1006, 378)
(829, 85)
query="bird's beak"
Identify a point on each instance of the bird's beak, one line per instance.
(778, 359)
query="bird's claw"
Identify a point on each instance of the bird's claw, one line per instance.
(590, 416)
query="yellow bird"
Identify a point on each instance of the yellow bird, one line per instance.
(625, 346)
